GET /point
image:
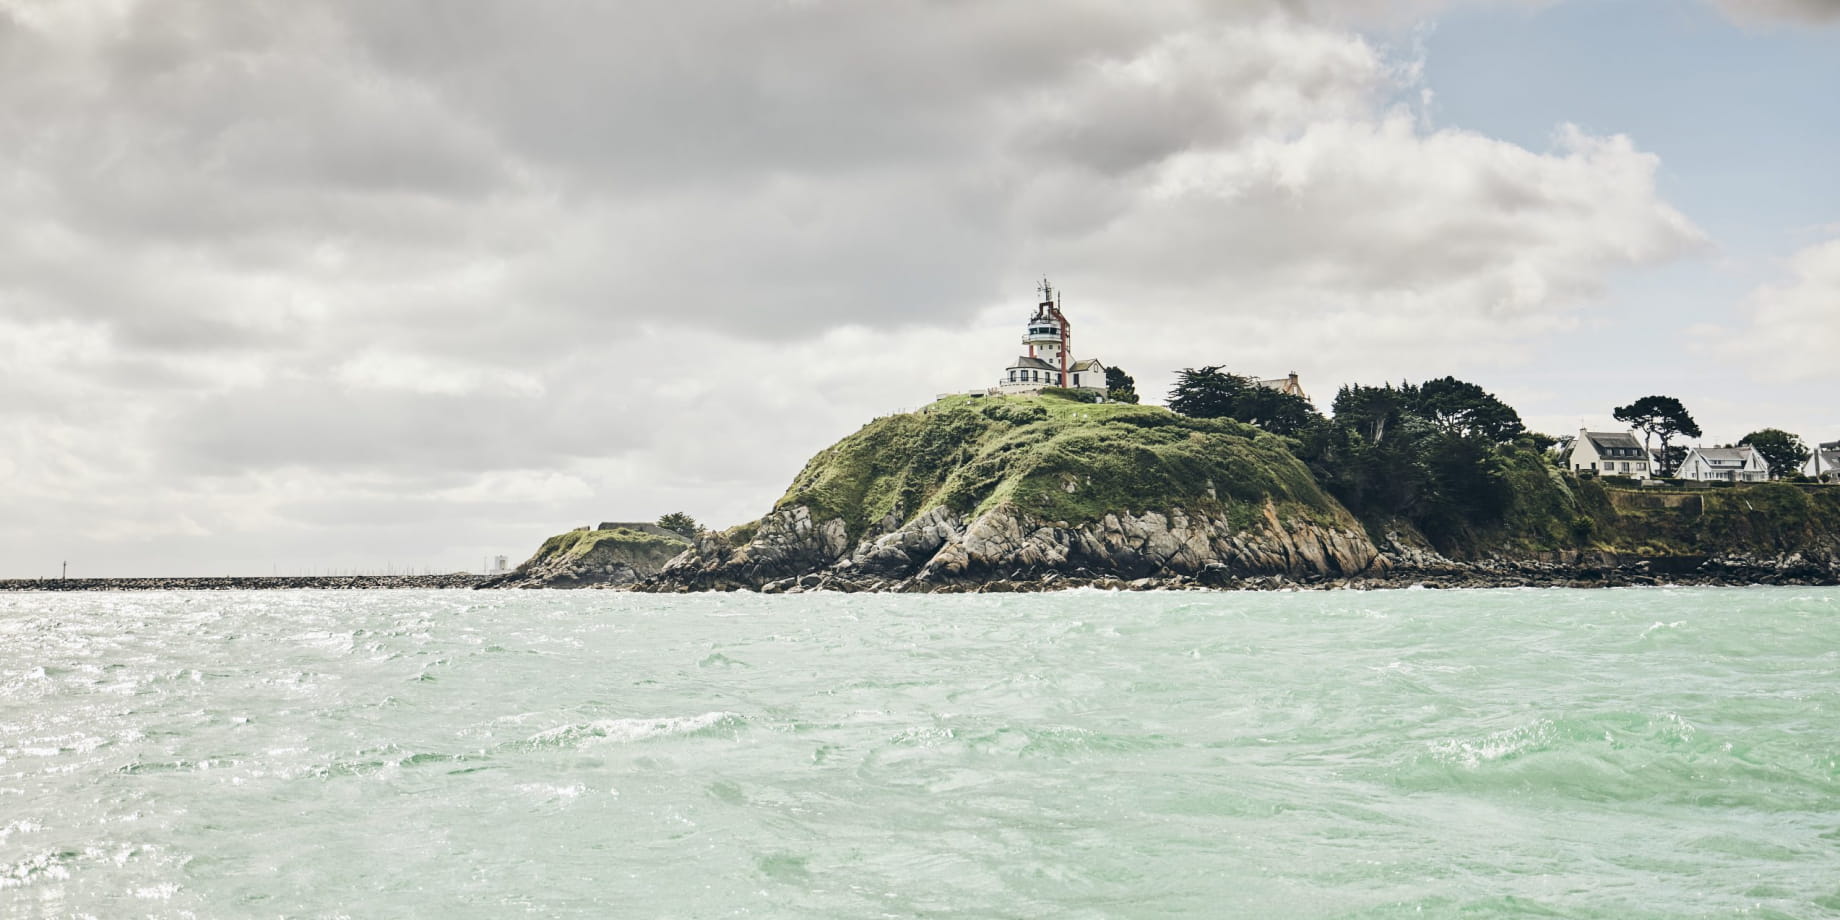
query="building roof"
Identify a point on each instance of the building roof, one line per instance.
(1085, 364)
(1620, 440)
(1026, 361)
(1724, 454)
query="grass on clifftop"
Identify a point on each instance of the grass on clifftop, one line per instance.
(1056, 459)
(1764, 518)
(568, 547)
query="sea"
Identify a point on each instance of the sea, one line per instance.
(1631, 753)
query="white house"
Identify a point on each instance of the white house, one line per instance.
(1824, 463)
(1610, 453)
(1723, 464)
(1049, 361)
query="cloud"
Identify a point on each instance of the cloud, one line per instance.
(268, 267)
(1794, 329)
(1811, 11)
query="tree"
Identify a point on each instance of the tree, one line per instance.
(1207, 393)
(1660, 417)
(1275, 411)
(1120, 386)
(1370, 411)
(681, 524)
(1210, 392)
(1464, 408)
(1783, 451)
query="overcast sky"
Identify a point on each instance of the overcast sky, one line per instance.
(312, 284)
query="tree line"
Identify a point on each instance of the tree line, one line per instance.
(1436, 453)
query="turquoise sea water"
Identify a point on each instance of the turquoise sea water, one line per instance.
(1626, 754)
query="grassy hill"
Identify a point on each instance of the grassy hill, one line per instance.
(1056, 459)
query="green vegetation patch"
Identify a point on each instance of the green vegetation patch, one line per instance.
(1770, 516)
(568, 547)
(1058, 459)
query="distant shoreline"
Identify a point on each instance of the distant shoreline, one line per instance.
(457, 580)
(1474, 579)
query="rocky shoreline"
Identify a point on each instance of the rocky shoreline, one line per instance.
(455, 581)
(1006, 552)
(1458, 576)
(1477, 579)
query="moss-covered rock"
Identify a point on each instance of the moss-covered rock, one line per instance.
(584, 558)
(1055, 459)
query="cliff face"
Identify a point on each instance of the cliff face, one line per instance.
(974, 491)
(588, 558)
(1559, 528)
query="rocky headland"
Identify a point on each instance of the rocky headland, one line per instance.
(1046, 493)
(608, 555)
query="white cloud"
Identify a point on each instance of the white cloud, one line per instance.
(1794, 329)
(378, 370)
(306, 270)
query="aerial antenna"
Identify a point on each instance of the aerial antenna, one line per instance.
(1047, 290)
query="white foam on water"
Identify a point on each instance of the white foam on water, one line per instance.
(627, 731)
(160, 892)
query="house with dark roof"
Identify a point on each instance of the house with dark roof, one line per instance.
(1611, 453)
(1724, 464)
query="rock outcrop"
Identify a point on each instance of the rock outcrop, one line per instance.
(594, 558)
(939, 551)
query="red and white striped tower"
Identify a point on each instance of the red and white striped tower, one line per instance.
(1050, 336)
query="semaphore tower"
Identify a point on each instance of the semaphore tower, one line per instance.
(1048, 361)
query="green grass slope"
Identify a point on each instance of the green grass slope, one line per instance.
(569, 547)
(1058, 460)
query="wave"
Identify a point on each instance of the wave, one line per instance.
(628, 731)
(1623, 756)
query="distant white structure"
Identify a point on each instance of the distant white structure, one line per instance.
(1610, 453)
(500, 565)
(1049, 361)
(1723, 464)
(1824, 463)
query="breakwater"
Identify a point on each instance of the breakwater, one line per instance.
(246, 583)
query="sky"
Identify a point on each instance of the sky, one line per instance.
(330, 285)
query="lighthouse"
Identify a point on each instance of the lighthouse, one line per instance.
(1047, 358)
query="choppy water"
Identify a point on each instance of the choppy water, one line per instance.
(1640, 753)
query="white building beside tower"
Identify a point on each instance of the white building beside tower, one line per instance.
(1048, 360)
